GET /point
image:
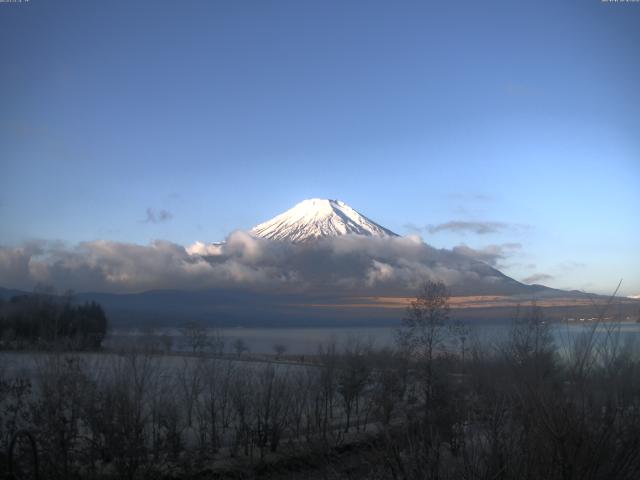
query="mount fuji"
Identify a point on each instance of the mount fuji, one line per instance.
(318, 218)
(330, 243)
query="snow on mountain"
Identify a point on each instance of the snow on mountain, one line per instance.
(317, 218)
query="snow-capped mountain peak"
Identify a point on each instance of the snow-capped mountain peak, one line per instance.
(317, 218)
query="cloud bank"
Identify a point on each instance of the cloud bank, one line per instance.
(349, 264)
(491, 254)
(538, 277)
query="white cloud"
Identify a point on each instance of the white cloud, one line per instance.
(202, 249)
(355, 263)
(491, 254)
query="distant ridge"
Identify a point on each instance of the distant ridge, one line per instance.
(317, 218)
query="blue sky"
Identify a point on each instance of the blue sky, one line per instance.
(417, 114)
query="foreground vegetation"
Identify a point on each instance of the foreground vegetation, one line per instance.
(47, 321)
(521, 409)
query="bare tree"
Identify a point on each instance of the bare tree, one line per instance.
(302, 382)
(214, 406)
(271, 400)
(280, 350)
(389, 385)
(190, 381)
(62, 381)
(327, 386)
(217, 342)
(196, 336)
(461, 333)
(423, 329)
(240, 346)
(241, 395)
(353, 376)
(530, 345)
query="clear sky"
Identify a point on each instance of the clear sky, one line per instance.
(510, 127)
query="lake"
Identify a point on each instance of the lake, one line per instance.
(301, 341)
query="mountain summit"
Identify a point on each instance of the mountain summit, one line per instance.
(319, 218)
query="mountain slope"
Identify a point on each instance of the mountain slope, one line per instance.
(318, 218)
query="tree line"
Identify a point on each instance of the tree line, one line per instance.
(45, 320)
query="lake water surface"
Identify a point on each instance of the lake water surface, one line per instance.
(301, 341)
